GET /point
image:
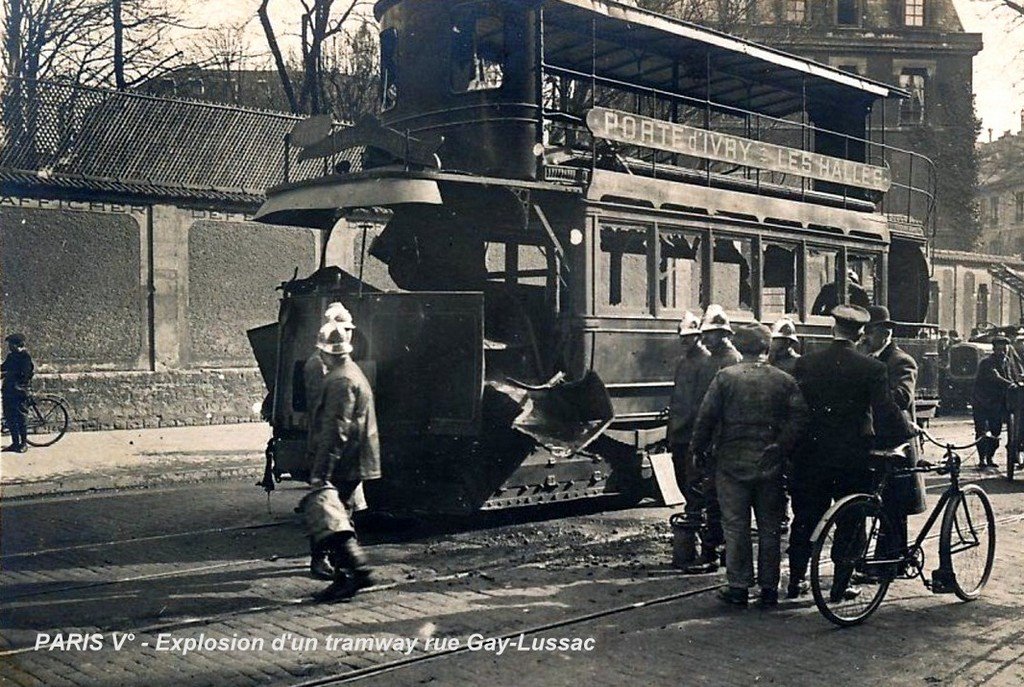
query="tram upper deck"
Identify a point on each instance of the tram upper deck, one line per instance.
(561, 91)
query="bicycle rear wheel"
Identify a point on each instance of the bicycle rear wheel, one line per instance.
(847, 579)
(967, 541)
(47, 420)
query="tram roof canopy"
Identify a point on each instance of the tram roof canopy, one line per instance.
(744, 74)
(642, 47)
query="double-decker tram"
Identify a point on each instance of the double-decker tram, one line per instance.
(563, 180)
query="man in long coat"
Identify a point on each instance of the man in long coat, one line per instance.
(988, 400)
(346, 449)
(844, 390)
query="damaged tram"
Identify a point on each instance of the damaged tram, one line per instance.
(562, 179)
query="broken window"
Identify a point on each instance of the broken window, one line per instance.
(731, 285)
(822, 279)
(622, 268)
(780, 291)
(478, 48)
(388, 69)
(863, 272)
(679, 270)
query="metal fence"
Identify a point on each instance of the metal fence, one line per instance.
(53, 128)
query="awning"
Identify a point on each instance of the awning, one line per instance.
(1011, 278)
(315, 205)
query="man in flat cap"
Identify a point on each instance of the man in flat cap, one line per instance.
(844, 390)
(16, 370)
(756, 413)
(988, 399)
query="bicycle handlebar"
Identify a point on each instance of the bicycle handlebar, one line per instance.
(949, 447)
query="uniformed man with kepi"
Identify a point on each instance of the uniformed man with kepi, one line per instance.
(844, 390)
(17, 371)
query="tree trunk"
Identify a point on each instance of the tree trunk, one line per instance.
(118, 24)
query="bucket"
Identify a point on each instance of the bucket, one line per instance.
(684, 539)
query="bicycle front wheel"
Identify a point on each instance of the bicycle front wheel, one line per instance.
(47, 421)
(967, 541)
(848, 578)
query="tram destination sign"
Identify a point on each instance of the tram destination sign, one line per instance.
(631, 129)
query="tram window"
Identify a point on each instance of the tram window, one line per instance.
(478, 48)
(822, 274)
(533, 263)
(731, 269)
(622, 269)
(866, 268)
(679, 270)
(780, 293)
(388, 69)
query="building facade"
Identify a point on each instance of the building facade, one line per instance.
(919, 45)
(1001, 194)
(966, 293)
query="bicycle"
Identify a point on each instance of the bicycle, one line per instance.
(48, 417)
(853, 562)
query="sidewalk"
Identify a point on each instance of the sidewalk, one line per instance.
(84, 461)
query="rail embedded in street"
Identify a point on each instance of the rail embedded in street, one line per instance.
(856, 555)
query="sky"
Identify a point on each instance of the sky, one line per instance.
(998, 68)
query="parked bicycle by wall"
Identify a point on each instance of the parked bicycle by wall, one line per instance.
(48, 418)
(855, 557)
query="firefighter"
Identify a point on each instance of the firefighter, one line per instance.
(783, 353)
(346, 452)
(701, 499)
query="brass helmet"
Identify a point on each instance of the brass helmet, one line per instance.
(689, 325)
(715, 319)
(784, 328)
(333, 338)
(339, 314)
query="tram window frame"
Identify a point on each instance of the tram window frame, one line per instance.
(715, 293)
(853, 257)
(610, 270)
(388, 69)
(811, 294)
(697, 241)
(793, 305)
(464, 48)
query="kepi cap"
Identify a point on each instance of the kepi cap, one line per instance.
(16, 339)
(784, 328)
(715, 320)
(689, 325)
(852, 315)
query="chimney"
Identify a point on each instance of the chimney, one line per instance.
(990, 134)
(1022, 121)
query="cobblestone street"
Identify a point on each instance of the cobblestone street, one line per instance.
(224, 569)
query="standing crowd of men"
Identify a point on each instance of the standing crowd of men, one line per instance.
(751, 421)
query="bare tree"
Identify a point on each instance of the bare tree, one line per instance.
(321, 22)
(225, 49)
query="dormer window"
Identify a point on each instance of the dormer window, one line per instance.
(913, 13)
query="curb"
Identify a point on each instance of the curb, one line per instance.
(77, 484)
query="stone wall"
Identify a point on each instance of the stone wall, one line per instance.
(131, 400)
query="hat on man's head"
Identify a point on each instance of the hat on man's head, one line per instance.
(715, 320)
(337, 312)
(689, 325)
(851, 315)
(16, 339)
(1000, 339)
(784, 328)
(752, 339)
(878, 314)
(333, 338)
